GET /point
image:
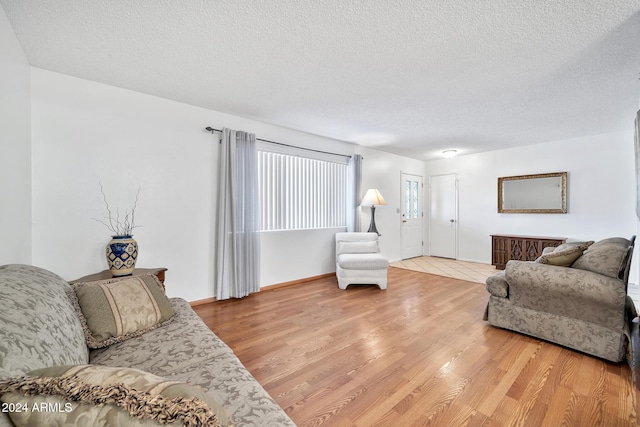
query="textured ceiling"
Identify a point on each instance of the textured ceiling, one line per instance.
(409, 77)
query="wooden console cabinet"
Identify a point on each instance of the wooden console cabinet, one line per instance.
(523, 248)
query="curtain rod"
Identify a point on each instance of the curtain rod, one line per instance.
(212, 130)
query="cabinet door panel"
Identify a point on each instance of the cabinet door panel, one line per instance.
(522, 248)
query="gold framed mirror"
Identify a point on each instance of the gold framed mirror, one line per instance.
(540, 193)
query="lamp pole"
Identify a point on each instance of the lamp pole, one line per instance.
(372, 226)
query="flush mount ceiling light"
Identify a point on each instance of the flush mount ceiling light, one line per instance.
(449, 153)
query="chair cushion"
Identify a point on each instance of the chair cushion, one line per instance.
(363, 247)
(362, 261)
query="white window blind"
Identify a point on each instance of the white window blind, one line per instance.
(300, 192)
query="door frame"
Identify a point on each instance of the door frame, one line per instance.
(457, 213)
(400, 210)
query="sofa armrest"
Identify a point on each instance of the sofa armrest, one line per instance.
(564, 291)
(497, 285)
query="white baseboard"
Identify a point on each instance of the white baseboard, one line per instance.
(474, 260)
(458, 259)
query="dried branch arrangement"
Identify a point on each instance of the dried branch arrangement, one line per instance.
(119, 225)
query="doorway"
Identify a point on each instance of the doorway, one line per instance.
(412, 215)
(443, 216)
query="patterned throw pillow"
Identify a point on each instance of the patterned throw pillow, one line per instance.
(563, 258)
(570, 244)
(608, 259)
(115, 310)
(93, 395)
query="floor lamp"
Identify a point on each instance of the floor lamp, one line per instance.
(373, 198)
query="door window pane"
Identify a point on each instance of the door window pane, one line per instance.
(415, 199)
(407, 199)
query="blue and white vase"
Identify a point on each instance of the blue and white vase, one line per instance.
(122, 252)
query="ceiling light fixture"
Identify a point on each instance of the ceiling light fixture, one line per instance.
(449, 153)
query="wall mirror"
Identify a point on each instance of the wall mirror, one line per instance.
(541, 193)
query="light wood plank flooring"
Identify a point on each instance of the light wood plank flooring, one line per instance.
(464, 270)
(417, 354)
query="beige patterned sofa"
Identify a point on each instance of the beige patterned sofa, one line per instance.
(39, 328)
(581, 303)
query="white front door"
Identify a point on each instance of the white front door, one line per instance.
(443, 218)
(411, 216)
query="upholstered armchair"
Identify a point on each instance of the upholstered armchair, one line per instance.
(574, 295)
(358, 260)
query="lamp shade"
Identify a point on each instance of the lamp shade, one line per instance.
(373, 198)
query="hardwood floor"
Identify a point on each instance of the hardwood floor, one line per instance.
(417, 354)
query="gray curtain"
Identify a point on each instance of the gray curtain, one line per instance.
(238, 220)
(355, 184)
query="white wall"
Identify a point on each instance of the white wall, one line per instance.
(15, 149)
(383, 171)
(296, 254)
(601, 188)
(86, 132)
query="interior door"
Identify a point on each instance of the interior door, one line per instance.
(443, 216)
(412, 215)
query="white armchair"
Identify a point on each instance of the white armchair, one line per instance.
(358, 260)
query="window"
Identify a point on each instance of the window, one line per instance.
(299, 192)
(411, 199)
